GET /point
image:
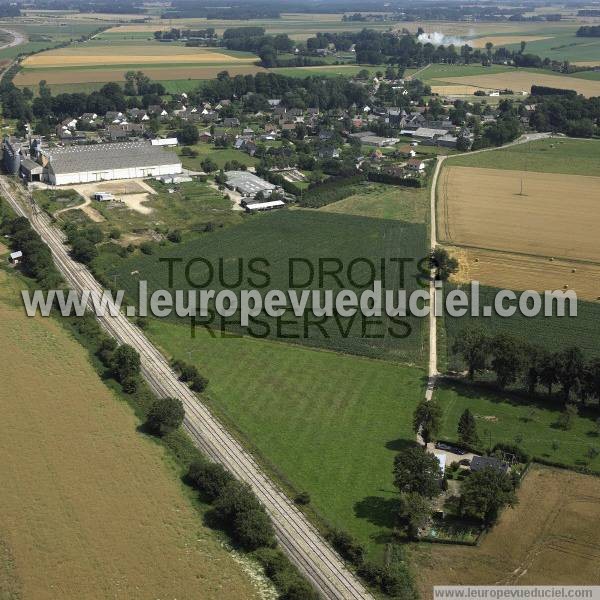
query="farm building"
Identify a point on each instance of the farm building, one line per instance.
(262, 206)
(100, 162)
(15, 257)
(248, 184)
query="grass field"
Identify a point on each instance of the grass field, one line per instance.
(549, 538)
(529, 424)
(331, 424)
(384, 202)
(484, 208)
(313, 235)
(219, 155)
(555, 155)
(94, 509)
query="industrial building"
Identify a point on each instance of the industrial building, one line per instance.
(248, 184)
(102, 162)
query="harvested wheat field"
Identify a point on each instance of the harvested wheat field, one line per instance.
(454, 90)
(90, 508)
(518, 272)
(29, 77)
(118, 55)
(505, 40)
(551, 537)
(557, 216)
(517, 80)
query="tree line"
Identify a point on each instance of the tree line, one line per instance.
(570, 114)
(517, 362)
(37, 260)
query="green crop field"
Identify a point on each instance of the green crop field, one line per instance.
(328, 424)
(279, 236)
(553, 333)
(565, 46)
(384, 202)
(529, 424)
(556, 155)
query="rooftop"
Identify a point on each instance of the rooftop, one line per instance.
(94, 157)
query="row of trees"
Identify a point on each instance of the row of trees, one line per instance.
(37, 259)
(518, 362)
(570, 114)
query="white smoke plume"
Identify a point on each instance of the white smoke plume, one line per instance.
(439, 39)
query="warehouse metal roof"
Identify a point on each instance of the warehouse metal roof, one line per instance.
(247, 183)
(103, 157)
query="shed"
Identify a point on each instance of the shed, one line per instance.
(15, 257)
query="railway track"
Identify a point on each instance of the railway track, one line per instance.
(297, 536)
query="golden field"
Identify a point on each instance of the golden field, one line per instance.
(58, 76)
(523, 80)
(550, 538)
(90, 508)
(558, 215)
(118, 55)
(504, 40)
(519, 272)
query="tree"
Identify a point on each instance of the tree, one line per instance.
(209, 165)
(417, 471)
(83, 251)
(467, 429)
(125, 363)
(443, 263)
(253, 529)
(567, 417)
(570, 371)
(463, 143)
(208, 478)
(485, 492)
(508, 359)
(165, 415)
(300, 590)
(415, 511)
(426, 419)
(188, 134)
(473, 346)
(548, 370)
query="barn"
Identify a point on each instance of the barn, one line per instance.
(103, 162)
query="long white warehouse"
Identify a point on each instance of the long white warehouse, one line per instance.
(102, 162)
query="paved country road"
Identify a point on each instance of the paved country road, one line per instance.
(296, 535)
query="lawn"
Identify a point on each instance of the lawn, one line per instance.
(219, 155)
(94, 508)
(328, 424)
(529, 423)
(311, 236)
(556, 155)
(385, 202)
